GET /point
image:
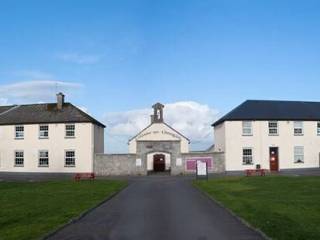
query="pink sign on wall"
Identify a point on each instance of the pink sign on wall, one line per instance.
(191, 163)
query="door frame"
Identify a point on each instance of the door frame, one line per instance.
(278, 157)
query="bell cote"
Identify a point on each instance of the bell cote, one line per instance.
(157, 116)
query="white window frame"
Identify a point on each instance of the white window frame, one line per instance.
(246, 156)
(42, 134)
(68, 131)
(41, 158)
(247, 128)
(298, 154)
(273, 130)
(18, 133)
(298, 125)
(318, 128)
(18, 158)
(66, 158)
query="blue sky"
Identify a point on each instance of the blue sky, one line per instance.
(120, 56)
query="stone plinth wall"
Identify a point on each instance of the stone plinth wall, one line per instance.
(126, 164)
(117, 165)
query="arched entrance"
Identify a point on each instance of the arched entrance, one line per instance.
(159, 162)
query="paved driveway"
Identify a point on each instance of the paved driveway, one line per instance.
(158, 207)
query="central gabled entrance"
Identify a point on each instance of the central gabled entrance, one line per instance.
(158, 162)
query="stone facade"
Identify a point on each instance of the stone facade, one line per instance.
(126, 164)
(146, 147)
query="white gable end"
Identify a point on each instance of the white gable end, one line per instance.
(159, 132)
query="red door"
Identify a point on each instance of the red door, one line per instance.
(274, 159)
(159, 163)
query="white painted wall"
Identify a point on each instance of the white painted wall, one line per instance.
(159, 132)
(85, 143)
(260, 142)
(219, 138)
(150, 160)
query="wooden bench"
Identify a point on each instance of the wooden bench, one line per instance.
(79, 176)
(254, 172)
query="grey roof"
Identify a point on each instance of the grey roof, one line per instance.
(4, 108)
(273, 110)
(44, 113)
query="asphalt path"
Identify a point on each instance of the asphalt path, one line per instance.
(158, 207)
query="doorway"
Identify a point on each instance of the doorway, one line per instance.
(274, 158)
(159, 163)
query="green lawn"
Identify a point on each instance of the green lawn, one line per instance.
(282, 207)
(28, 210)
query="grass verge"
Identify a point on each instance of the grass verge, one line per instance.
(285, 208)
(28, 210)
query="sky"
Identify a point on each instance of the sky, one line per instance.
(114, 59)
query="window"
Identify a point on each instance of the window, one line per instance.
(43, 158)
(70, 159)
(19, 132)
(298, 128)
(247, 158)
(247, 128)
(70, 130)
(318, 128)
(298, 154)
(43, 131)
(273, 128)
(19, 159)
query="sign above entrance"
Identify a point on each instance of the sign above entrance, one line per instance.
(156, 134)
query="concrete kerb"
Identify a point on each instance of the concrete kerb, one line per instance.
(233, 214)
(83, 214)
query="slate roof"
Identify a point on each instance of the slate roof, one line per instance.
(4, 108)
(273, 110)
(44, 113)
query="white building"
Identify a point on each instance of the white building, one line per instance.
(54, 137)
(167, 138)
(276, 135)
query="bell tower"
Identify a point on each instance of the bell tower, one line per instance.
(157, 116)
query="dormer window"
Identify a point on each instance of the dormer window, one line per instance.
(247, 128)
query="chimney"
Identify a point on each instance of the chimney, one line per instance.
(60, 100)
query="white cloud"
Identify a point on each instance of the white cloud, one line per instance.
(78, 58)
(35, 91)
(190, 118)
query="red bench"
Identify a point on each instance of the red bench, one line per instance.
(79, 176)
(251, 172)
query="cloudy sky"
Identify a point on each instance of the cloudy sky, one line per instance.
(115, 59)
